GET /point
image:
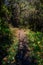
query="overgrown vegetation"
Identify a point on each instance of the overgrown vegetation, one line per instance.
(27, 13)
(5, 34)
(21, 14)
(36, 45)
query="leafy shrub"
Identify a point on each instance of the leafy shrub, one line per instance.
(36, 45)
(5, 38)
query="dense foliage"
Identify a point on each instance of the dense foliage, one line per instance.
(5, 34)
(24, 14)
(36, 44)
(27, 13)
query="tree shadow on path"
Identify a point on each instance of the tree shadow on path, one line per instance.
(23, 54)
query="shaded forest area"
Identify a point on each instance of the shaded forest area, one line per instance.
(26, 15)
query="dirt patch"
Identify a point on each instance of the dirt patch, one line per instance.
(20, 34)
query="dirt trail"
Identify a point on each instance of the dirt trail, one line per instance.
(20, 33)
(23, 50)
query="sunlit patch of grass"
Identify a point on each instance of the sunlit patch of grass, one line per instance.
(36, 44)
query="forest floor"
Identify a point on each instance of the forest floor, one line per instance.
(19, 31)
